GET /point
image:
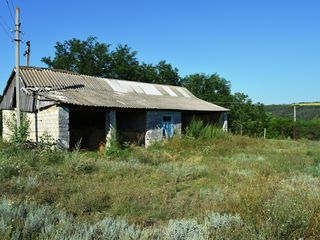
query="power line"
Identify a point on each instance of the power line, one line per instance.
(234, 102)
(5, 31)
(5, 23)
(10, 11)
(13, 8)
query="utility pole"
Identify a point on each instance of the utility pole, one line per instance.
(27, 53)
(294, 130)
(17, 40)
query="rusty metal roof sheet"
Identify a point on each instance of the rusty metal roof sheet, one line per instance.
(77, 89)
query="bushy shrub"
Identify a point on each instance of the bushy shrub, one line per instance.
(24, 183)
(225, 226)
(29, 221)
(79, 163)
(183, 170)
(219, 221)
(244, 157)
(194, 128)
(185, 230)
(118, 166)
(113, 147)
(197, 129)
(153, 156)
(88, 201)
(12, 166)
(83, 165)
(54, 157)
(293, 207)
(46, 141)
(20, 134)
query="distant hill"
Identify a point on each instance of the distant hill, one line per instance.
(286, 110)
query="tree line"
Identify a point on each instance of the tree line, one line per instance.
(94, 58)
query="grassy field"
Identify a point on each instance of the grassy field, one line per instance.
(227, 188)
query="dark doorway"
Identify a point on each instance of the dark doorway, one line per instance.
(131, 126)
(87, 127)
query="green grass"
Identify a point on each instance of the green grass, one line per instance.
(214, 187)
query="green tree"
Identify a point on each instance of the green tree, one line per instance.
(279, 127)
(148, 73)
(86, 57)
(246, 117)
(124, 64)
(166, 74)
(97, 59)
(210, 88)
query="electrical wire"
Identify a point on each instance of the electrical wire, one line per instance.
(11, 14)
(12, 4)
(4, 22)
(5, 31)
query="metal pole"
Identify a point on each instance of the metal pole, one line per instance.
(294, 113)
(17, 40)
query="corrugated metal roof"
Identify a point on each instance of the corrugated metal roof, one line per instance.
(76, 89)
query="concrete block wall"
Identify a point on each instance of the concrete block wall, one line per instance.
(6, 114)
(154, 125)
(53, 120)
(154, 120)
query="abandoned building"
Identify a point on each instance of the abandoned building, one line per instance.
(71, 107)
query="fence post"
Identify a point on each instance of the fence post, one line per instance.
(294, 133)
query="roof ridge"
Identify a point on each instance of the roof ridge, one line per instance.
(125, 80)
(86, 75)
(49, 69)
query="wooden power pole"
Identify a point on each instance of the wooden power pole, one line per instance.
(17, 40)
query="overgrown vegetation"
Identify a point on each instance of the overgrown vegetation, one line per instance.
(207, 187)
(18, 135)
(197, 129)
(283, 128)
(286, 111)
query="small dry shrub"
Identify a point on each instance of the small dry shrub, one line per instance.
(87, 201)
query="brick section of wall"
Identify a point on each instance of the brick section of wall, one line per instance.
(154, 120)
(53, 120)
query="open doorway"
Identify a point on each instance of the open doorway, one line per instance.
(131, 126)
(87, 127)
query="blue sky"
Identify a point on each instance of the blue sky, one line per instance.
(269, 50)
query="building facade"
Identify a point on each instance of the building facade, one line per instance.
(75, 108)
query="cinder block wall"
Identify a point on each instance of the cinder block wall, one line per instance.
(5, 130)
(154, 125)
(154, 119)
(53, 120)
